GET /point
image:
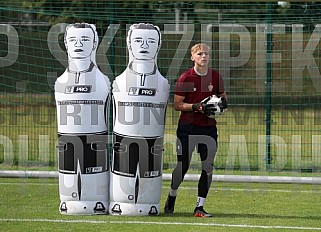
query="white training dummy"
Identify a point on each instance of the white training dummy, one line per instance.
(140, 96)
(82, 96)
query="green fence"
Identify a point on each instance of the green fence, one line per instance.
(268, 54)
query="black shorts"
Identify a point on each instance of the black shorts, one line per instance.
(137, 153)
(190, 136)
(90, 151)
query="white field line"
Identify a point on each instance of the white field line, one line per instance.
(191, 177)
(27, 183)
(262, 190)
(160, 223)
(257, 190)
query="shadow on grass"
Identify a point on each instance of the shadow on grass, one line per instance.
(178, 214)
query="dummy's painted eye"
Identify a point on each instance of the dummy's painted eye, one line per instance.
(85, 38)
(71, 39)
(138, 40)
(151, 41)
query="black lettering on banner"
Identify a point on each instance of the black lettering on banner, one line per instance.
(85, 102)
(143, 104)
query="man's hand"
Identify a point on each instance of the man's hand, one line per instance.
(203, 107)
(197, 107)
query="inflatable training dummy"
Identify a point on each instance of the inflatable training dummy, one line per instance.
(82, 96)
(140, 97)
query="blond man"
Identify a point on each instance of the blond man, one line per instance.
(195, 129)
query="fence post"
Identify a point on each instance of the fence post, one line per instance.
(268, 83)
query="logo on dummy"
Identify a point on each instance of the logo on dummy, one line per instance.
(94, 169)
(78, 89)
(153, 211)
(116, 209)
(63, 207)
(134, 91)
(99, 207)
(151, 174)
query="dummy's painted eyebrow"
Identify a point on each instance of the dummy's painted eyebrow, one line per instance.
(137, 38)
(152, 39)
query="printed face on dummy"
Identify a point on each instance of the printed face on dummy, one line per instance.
(144, 44)
(79, 42)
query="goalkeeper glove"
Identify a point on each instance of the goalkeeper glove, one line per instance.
(203, 107)
(224, 102)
